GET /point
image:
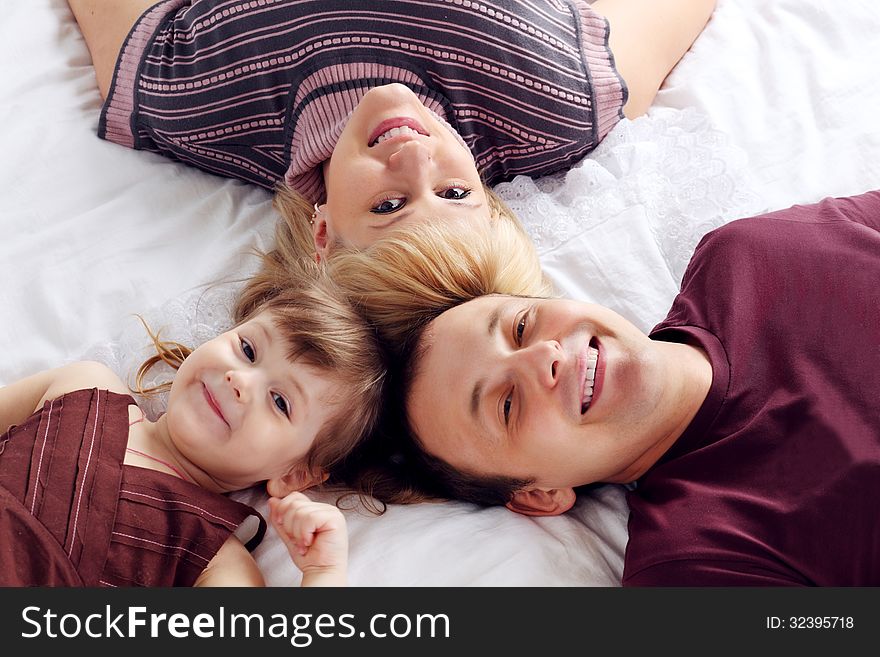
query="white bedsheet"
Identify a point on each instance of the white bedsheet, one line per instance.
(774, 105)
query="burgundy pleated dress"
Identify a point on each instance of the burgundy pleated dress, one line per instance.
(73, 514)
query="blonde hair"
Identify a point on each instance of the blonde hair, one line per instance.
(412, 275)
(402, 283)
(322, 329)
(294, 234)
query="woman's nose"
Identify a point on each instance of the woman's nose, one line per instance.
(410, 158)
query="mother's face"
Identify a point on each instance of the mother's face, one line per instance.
(395, 162)
(562, 392)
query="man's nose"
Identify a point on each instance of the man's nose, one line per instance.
(540, 362)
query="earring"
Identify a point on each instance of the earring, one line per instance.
(314, 215)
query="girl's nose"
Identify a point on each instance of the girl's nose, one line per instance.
(240, 384)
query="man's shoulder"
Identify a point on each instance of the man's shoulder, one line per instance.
(794, 221)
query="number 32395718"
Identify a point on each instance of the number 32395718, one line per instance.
(810, 622)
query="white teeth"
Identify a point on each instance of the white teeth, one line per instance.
(394, 132)
(592, 360)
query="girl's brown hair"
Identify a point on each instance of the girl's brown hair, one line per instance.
(322, 329)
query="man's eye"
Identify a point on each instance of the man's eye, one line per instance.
(455, 193)
(507, 404)
(520, 330)
(281, 403)
(388, 205)
(247, 350)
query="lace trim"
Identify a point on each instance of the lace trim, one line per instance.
(190, 320)
(687, 174)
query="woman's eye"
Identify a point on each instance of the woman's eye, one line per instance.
(507, 404)
(388, 205)
(281, 403)
(247, 350)
(455, 193)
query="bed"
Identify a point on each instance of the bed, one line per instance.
(775, 104)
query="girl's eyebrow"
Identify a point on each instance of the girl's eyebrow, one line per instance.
(267, 336)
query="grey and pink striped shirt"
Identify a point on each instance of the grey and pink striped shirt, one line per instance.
(260, 89)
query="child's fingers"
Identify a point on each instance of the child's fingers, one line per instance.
(299, 520)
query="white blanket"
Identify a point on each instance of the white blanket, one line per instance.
(774, 105)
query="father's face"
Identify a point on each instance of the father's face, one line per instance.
(558, 391)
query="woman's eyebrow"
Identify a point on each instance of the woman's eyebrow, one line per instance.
(395, 218)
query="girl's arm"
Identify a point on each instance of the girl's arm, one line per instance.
(316, 538)
(648, 37)
(20, 399)
(233, 565)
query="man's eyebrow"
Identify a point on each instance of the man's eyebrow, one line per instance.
(475, 400)
(477, 393)
(494, 320)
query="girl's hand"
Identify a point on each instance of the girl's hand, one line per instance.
(316, 538)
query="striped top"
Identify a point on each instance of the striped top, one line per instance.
(75, 515)
(260, 90)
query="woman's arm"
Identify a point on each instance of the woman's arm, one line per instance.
(648, 37)
(20, 399)
(104, 25)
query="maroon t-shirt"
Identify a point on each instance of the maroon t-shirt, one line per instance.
(777, 479)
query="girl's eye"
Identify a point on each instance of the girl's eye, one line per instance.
(388, 206)
(520, 330)
(247, 350)
(281, 403)
(508, 402)
(455, 193)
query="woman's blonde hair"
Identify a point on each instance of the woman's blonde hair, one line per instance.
(321, 328)
(294, 233)
(402, 283)
(415, 273)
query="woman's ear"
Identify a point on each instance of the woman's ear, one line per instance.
(298, 479)
(319, 231)
(541, 502)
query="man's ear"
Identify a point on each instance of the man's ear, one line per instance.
(298, 479)
(540, 502)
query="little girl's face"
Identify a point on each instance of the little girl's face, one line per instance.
(242, 412)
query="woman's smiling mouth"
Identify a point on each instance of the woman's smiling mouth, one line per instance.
(396, 127)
